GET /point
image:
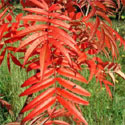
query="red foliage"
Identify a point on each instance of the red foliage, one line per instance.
(6, 104)
(59, 41)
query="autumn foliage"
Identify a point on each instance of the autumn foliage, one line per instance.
(59, 42)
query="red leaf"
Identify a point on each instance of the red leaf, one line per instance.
(3, 29)
(58, 122)
(71, 74)
(14, 59)
(82, 57)
(43, 58)
(102, 39)
(30, 30)
(61, 48)
(1, 46)
(8, 61)
(9, 17)
(73, 87)
(38, 86)
(59, 113)
(120, 73)
(72, 15)
(78, 15)
(54, 7)
(65, 63)
(31, 80)
(30, 39)
(92, 67)
(122, 41)
(99, 4)
(58, 35)
(59, 23)
(14, 49)
(63, 33)
(35, 18)
(103, 15)
(107, 82)
(123, 2)
(92, 51)
(39, 4)
(94, 29)
(108, 90)
(32, 47)
(84, 46)
(33, 66)
(37, 11)
(45, 3)
(39, 99)
(72, 97)
(99, 60)
(109, 33)
(40, 108)
(72, 109)
(18, 17)
(36, 78)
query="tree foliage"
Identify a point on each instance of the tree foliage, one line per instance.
(60, 42)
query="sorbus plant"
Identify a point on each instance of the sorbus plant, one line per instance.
(59, 42)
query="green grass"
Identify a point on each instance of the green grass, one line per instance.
(101, 111)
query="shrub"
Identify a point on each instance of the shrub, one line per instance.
(59, 42)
